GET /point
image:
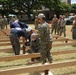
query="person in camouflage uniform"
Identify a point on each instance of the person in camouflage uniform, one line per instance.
(74, 28)
(44, 39)
(63, 26)
(54, 24)
(36, 23)
(58, 26)
(5, 21)
(1, 22)
(34, 46)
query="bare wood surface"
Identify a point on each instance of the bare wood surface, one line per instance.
(39, 67)
(8, 43)
(54, 45)
(64, 44)
(7, 49)
(33, 55)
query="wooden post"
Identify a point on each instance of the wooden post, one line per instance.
(46, 72)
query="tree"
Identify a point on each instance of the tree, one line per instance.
(60, 7)
(73, 8)
(27, 6)
(65, 7)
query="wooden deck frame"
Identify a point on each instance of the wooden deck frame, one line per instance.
(6, 39)
(54, 45)
(40, 67)
(33, 55)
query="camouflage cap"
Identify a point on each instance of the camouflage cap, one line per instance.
(41, 15)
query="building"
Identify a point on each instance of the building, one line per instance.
(66, 1)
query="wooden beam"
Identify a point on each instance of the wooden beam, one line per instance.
(3, 37)
(8, 43)
(33, 55)
(54, 45)
(64, 44)
(59, 39)
(64, 39)
(8, 40)
(7, 50)
(64, 52)
(39, 67)
(6, 31)
(2, 34)
(54, 40)
(5, 44)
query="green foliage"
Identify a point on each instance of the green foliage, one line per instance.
(65, 7)
(27, 6)
(73, 8)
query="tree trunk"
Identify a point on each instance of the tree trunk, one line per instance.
(28, 14)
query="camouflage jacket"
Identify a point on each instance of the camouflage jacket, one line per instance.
(44, 33)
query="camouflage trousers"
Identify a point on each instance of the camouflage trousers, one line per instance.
(62, 30)
(45, 52)
(54, 28)
(36, 26)
(15, 43)
(1, 26)
(74, 33)
(58, 29)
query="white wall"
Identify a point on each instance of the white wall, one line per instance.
(64, 1)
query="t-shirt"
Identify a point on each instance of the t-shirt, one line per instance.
(14, 25)
(22, 25)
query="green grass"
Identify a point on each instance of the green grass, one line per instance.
(70, 70)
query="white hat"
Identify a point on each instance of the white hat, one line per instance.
(28, 29)
(41, 15)
(33, 36)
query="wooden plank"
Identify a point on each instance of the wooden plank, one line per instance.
(39, 67)
(54, 45)
(8, 43)
(33, 55)
(7, 40)
(64, 44)
(2, 34)
(64, 52)
(5, 44)
(3, 37)
(64, 39)
(59, 39)
(7, 49)
(6, 31)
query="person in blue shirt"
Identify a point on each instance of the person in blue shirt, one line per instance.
(14, 25)
(15, 35)
(23, 25)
